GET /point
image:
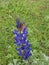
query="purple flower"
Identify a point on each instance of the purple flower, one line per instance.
(21, 41)
(18, 23)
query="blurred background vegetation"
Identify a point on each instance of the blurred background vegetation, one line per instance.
(35, 13)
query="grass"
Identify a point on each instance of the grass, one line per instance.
(35, 13)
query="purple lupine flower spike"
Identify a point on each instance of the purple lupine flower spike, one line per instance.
(21, 41)
(18, 24)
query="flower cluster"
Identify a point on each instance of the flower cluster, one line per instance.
(22, 43)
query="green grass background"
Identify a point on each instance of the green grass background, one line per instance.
(35, 13)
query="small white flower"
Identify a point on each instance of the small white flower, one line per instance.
(26, 40)
(23, 35)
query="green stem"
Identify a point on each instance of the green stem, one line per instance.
(29, 63)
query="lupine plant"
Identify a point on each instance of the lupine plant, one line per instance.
(23, 46)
